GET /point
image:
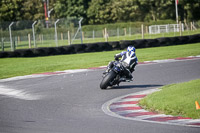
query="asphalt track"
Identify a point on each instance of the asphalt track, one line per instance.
(72, 103)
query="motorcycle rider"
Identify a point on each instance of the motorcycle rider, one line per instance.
(130, 66)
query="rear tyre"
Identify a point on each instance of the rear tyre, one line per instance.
(107, 79)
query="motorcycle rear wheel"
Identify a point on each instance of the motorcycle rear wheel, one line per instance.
(107, 80)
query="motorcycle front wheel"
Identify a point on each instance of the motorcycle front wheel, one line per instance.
(107, 80)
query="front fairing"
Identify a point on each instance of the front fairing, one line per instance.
(118, 68)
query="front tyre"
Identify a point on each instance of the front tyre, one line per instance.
(107, 79)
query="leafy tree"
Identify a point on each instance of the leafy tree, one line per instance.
(96, 12)
(33, 10)
(154, 9)
(107, 11)
(10, 10)
(189, 10)
(124, 10)
(100, 11)
(69, 8)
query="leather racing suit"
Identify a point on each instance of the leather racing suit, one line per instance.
(128, 63)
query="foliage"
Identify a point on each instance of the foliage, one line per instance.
(71, 8)
(116, 25)
(10, 10)
(100, 11)
(32, 10)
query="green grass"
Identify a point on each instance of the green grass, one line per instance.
(10, 67)
(51, 43)
(176, 99)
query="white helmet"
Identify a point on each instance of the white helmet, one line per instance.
(131, 48)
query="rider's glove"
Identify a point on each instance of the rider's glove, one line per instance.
(117, 56)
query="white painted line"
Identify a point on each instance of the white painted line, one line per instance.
(123, 105)
(19, 94)
(147, 61)
(185, 121)
(180, 121)
(164, 61)
(150, 116)
(75, 71)
(103, 67)
(129, 99)
(130, 111)
(21, 77)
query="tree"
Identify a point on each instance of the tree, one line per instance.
(33, 10)
(155, 10)
(10, 10)
(71, 8)
(96, 10)
(100, 11)
(124, 10)
(189, 10)
(109, 11)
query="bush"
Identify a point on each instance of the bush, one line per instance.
(183, 39)
(175, 40)
(104, 46)
(124, 44)
(40, 52)
(69, 49)
(80, 48)
(164, 41)
(25, 53)
(125, 25)
(142, 43)
(115, 45)
(92, 47)
(51, 51)
(3, 54)
(194, 38)
(152, 43)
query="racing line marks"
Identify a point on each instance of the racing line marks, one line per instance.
(18, 94)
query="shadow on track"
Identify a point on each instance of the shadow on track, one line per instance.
(134, 86)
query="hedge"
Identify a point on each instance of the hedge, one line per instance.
(101, 46)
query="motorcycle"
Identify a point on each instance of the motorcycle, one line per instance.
(115, 75)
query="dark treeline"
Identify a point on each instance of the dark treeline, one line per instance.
(101, 11)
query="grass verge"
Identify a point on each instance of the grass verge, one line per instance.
(51, 43)
(10, 67)
(176, 99)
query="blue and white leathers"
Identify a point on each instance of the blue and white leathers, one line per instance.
(129, 58)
